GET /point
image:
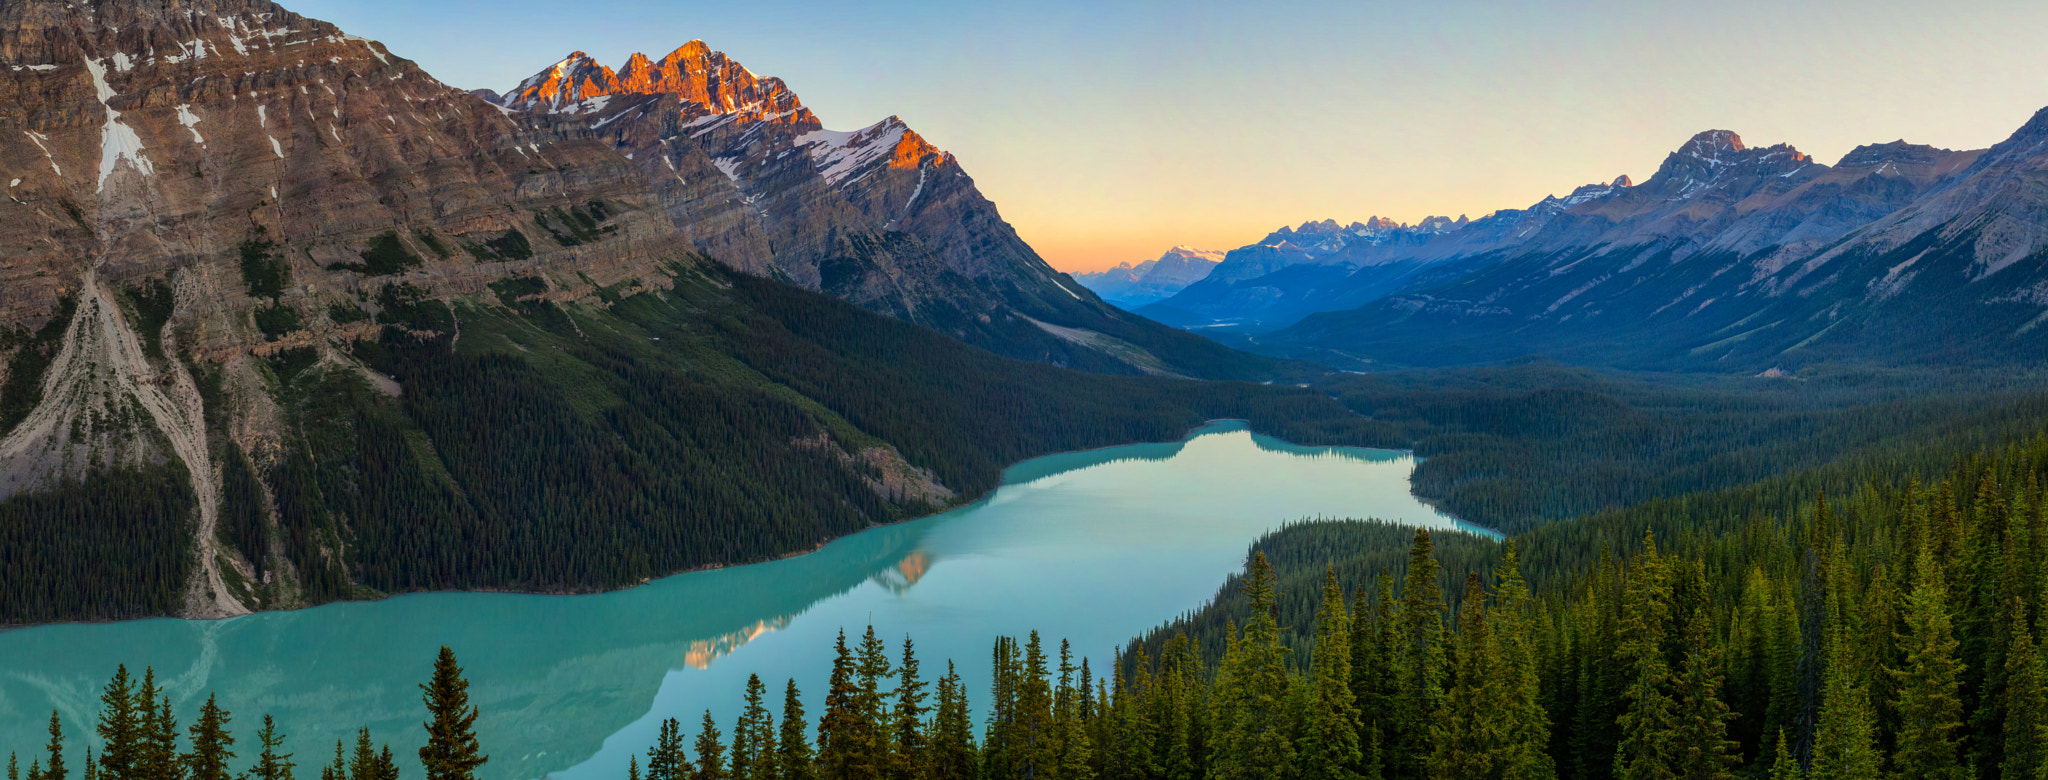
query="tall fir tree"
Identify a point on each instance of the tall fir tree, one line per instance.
(753, 738)
(793, 757)
(2026, 704)
(1250, 711)
(907, 727)
(666, 760)
(271, 764)
(212, 744)
(1329, 743)
(452, 751)
(53, 764)
(1700, 737)
(710, 751)
(952, 735)
(1845, 739)
(118, 728)
(1929, 705)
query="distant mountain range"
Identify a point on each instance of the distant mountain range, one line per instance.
(1131, 286)
(1729, 256)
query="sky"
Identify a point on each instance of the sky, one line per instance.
(1107, 131)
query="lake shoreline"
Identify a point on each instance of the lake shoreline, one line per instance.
(1003, 479)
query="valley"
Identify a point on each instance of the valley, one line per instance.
(640, 389)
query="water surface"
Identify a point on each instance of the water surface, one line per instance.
(1093, 547)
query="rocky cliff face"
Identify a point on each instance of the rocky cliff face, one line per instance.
(878, 216)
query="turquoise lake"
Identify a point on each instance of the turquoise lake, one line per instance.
(1094, 547)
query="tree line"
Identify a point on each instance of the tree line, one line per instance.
(139, 739)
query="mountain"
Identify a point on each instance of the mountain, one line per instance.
(1742, 258)
(285, 320)
(1279, 279)
(1130, 286)
(878, 216)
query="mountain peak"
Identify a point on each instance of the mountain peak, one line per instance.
(1708, 141)
(1623, 181)
(706, 79)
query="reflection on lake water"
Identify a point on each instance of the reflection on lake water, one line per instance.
(1093, 547)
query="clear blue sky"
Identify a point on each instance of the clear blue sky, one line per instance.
(1108, 131)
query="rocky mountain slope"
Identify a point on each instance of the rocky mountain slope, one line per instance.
(877, 216)
(1744, 258)
(1131, 286)
(285, 320)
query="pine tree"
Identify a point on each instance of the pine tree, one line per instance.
(907, 721)
(1786, 767)
(1700, 737)
(362, 765)
(632, 767)
(387, 764)
(2026, 703)
(1649, 727)
(952, 735)
(13, 767)
(793, 759)
(753, 739)
(270, 764)
(451, 752)
(839, 751)
(1525, 724)
(339, 769)
(666, 760)
(53, 768)
(1467, 739)
(1034, 752)
(1419, 660)
(211, 744)
(1929, 707)
(1329, 744)
(710, 752)
(1075, 759)
(1250, 706)
(118, 730)
(160, 740)
(1844, 742)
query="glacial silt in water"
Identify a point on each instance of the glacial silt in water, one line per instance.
(1093, 547)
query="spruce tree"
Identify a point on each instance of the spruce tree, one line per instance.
(952, 737)
(212, 745)
(1466, 738)
(839, 752)
(871, 741)
(666, 760)
(1700, 737)
(271, 764)
(53, 767)
(2026, 703)
(361, 764)
(907, 721)
(1845, 740)
(1250, 706)
(1525, 726)
(793, 758)
(160, 756)
(387, 764)
(1648, 748)
(1419, 650)
(1929, 707)
(118, 729)
(1329, 744)
(632, 767)
(339, 769)
(753, 739)
(1786, 766)
(451, 752)
(1076, 754)
(710, 751)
